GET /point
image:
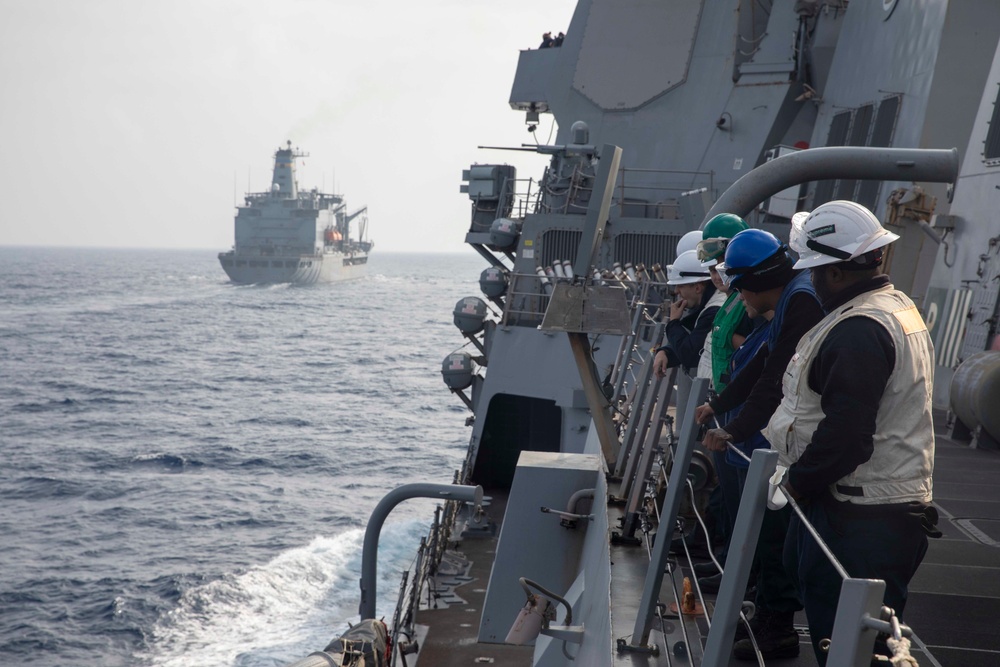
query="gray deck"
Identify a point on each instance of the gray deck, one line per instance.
(954, 598)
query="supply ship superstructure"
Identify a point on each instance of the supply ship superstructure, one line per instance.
(288, 235)
(568, 532)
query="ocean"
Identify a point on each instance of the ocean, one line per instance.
(188, 465)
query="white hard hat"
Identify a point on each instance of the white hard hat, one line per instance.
(687, 269)
(689, 241)
(836, 231)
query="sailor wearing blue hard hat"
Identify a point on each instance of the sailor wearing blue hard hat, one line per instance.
(759, 266)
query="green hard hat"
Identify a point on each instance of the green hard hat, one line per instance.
(724, 226)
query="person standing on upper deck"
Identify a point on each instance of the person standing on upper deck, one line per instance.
(686, 334)
(761, 270)
(730, 327)
(854, 424)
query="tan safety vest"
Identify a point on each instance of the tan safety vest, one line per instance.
(902, 463)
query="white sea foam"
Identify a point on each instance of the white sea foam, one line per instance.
(279, 612)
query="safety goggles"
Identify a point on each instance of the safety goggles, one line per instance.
(709, 249)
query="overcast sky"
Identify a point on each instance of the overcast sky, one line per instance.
(136, 123)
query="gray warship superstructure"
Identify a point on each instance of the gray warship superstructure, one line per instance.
(288, 235)
(564, 539)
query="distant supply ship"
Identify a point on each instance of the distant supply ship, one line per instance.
(289, 236)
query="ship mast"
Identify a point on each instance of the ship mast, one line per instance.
(283, 181)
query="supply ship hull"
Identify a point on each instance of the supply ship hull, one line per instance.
(292, 236)
(330, 266)
(596, 489)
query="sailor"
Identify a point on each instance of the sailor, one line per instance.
(760, 269)
(854, 426)
(686, 334)
(730, 327)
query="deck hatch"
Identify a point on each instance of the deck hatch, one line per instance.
(515, 424)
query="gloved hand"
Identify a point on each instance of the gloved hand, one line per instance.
(775, 497)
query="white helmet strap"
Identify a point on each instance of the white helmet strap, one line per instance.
(830, 251)
(843, 255)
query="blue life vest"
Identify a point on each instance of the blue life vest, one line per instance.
(737, 363)
(799, 284)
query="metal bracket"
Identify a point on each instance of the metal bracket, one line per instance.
(568, 633)
(567, 515)
(624, 647)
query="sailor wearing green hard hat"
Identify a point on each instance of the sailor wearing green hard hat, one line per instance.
(731, 325)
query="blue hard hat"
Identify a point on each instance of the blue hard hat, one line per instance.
(750, 249)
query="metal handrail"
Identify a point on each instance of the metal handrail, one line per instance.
(624, 188)
(526, 298)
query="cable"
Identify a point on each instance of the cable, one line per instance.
(798, 510)
(947, 247)
(526, 583)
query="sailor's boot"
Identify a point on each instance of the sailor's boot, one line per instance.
(756, 623)
(776, 639)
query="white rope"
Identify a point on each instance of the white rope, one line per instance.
(901, 652)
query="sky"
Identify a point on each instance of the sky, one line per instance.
(141, 123)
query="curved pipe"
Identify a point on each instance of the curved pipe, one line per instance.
(818, 164)
(369, 554)
(576, 498)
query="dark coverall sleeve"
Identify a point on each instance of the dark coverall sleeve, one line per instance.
(739, 387)
(763, 398)
(850, 372)
(683, 346)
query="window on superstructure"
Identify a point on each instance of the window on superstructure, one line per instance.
(836, 137)
(859, 137)
(882, 131)
(991, 151)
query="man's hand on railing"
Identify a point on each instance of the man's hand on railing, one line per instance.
(715, 440)
(703, 413)
(660, 364)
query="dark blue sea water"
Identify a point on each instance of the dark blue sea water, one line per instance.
(187, 464)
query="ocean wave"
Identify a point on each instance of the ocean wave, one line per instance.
(295, 422)
(27, 488)
(166, 431)
(165, 461)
